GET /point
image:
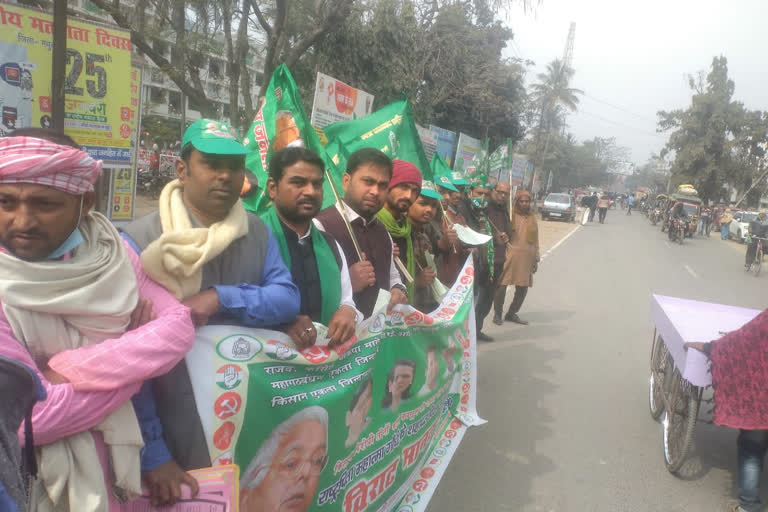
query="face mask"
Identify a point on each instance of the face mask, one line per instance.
(479, 203)
(73, 240)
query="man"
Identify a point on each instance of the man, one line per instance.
(498, 218)
(79, 310)
(757, 228)
(522, 256)
(284, 473)
(225, 265)
(427, 245)
(431, 372)
(602, 205)
(317, 263)
(404, 188)
(630, 203)
(706, 219)
(592, 204)
(366, 186)
(484, 256)
(452, 260)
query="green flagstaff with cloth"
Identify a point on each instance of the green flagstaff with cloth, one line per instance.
(390, 130)
(281, 122)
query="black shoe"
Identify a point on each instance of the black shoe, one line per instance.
(483, 337)
(497, 319)
(516, 319)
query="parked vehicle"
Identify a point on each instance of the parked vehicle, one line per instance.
(558, 206)
(739, 227)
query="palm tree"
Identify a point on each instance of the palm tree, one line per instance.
(553, 98)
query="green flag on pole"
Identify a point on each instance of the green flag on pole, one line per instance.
(280, 122)
(390, 129)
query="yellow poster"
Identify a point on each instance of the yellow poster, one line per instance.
(100, 113)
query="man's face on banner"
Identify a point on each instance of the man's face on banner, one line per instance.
(291, 481)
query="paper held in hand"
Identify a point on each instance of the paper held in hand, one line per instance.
(469, 236)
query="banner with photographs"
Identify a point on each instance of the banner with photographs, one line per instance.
(370, 425)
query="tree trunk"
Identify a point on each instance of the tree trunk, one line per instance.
(233, 64)
(245, 77)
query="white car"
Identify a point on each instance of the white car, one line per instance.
(739, 226)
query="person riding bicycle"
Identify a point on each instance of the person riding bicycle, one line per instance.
(757, 228)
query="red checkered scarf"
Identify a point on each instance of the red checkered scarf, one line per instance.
(740, 376)
(42, 162)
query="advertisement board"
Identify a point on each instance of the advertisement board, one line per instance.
(465, 152)
(446, 142)
(336, 101)
(99, 108)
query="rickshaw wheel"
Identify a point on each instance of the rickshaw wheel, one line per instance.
(678, 426)
(758, 264)
(661, 369)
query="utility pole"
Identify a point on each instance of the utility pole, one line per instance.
(59, 64)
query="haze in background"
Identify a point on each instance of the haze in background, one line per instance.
(635, 55)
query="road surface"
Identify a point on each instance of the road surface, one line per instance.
(566, 396)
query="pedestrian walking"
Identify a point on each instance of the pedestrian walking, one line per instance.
(630, 204)
(602, 206)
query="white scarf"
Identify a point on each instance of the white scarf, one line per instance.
(54, 306)
(176, 259)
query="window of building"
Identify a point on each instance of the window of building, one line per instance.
(174, 102)
(214, 68)
(160, 47)
(156, 95)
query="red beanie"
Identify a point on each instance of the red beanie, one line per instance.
(404, 172)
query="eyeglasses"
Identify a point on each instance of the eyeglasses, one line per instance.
(292, 465)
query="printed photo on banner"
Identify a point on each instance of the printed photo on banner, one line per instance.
(348, 429)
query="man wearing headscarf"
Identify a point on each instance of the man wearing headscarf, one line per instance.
(522, 256)
(79, 310)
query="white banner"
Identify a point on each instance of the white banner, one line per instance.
(336, 101)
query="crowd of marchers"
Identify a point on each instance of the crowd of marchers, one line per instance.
(95, 322)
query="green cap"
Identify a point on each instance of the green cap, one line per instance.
(428, 190)
(214, 137)
(457, 179)
(479, 181)
(445, 182)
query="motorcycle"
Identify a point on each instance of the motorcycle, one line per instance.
(149, 183)
(655, 216)
(678, 230)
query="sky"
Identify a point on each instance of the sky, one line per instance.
(631, 58)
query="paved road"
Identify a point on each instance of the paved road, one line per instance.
(566, 397)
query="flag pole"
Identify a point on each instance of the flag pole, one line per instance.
(447, 221)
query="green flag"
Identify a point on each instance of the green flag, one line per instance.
(439, 166)
(279, 123)
(391, 130)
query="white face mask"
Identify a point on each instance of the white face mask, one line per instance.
(73, 240)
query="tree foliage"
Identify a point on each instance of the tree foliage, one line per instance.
(445, 56)
(716, 141)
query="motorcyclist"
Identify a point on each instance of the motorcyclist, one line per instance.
(678, 213)
(757, 228)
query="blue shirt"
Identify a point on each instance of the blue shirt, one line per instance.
(272, 302)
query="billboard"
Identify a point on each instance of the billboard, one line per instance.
(336, 101)
(465, 152)
(446, 142)
(100, 111)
